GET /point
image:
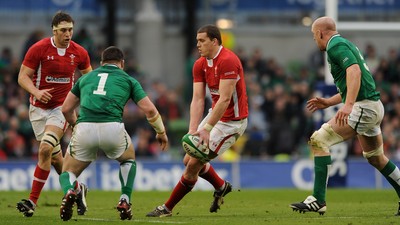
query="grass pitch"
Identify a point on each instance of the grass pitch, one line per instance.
(244, 207)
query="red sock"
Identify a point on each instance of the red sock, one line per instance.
(77, 188)
(180, 190)
(208, 173)
(39, 179)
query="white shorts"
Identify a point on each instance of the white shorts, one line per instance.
(224, 134)
(88, 138)
(366, 117)
(40, 118)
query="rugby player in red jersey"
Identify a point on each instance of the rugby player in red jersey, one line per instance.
(47, 73)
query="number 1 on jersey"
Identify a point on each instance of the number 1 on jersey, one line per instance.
(102, 83)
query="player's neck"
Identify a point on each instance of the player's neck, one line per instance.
(54, 41)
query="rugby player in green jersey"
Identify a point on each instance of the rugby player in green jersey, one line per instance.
(102, 95)
(360, 115)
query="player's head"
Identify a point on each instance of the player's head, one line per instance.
(208, 40)
(112, 55)
(323, 28)
(63, 28)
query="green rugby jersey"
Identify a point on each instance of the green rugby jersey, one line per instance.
(104, 92)
(342, 54)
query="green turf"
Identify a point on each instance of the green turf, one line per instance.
(245, 207)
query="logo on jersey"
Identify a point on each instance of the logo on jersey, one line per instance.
(50, 57)
(215, 71)
(229, 73)
(60, 80)
(72, 56)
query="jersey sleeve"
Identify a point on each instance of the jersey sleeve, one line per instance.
(32, 57)
(137, 92)
(85, 60)
(198, 72)
(342, 56)
(229, 69)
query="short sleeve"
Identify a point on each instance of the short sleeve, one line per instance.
(342, 56)
(198, 71)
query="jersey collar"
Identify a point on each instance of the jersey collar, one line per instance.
(330, 39)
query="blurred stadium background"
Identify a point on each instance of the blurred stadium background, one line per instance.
(283, 70)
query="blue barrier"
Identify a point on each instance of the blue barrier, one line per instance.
(153, 175)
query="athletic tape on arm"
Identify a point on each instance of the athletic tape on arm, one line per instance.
(157, 123)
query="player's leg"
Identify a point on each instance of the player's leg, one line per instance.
(184, 186)
(222, 137)
(49, 137)
(80, 153)
(127, 174)
(116, 144)
(373, 152)
(72, 168)
(57, 159)
(320, 141)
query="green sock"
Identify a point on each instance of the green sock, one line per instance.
(127, 173)
(392, 174)
(65, 181)
(321, 164)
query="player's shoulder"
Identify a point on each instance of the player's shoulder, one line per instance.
(45, 42)
(228, 57)
(200, 62)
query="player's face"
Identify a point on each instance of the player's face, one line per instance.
(205, 45)
(63, 36)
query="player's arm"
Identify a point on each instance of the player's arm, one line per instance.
(68, 108)
(87, 70)
(353, 83)
(197, 106)
(25, 81)
(155, 120)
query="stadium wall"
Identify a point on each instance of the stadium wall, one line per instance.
(155, 175)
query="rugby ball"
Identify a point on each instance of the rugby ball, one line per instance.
(189, 143)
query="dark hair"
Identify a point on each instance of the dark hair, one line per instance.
(61, 16)
(112, 54)
(212, 32)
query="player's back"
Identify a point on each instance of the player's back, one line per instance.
(104, 92)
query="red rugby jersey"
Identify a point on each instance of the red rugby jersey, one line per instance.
(226, 65)
(54, 68)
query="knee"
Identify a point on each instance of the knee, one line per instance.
(324, 138)
(49, 143)
(185, 160)
(375, 157)
(45, 149)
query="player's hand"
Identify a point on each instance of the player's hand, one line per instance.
(204, 136)
(162, 140)
(342, 115)
(317, 103)
(44, 95)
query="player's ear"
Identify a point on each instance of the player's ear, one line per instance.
(320, 34)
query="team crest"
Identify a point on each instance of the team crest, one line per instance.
(72, 56)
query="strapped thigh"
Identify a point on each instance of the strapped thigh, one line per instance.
(324, 138)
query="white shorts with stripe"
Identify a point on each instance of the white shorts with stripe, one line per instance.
(224, 134)
(40, 118)
(88, 138)
(366, 117)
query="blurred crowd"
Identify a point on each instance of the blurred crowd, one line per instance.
(279, 124)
